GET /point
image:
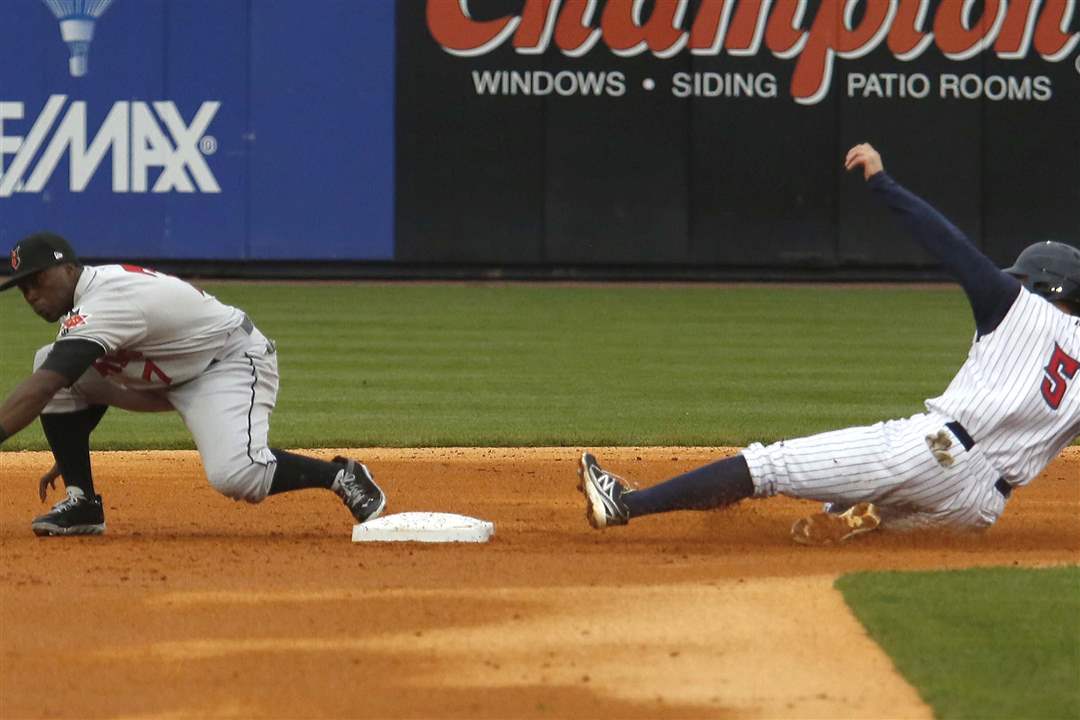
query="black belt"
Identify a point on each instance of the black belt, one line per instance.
(968, 442)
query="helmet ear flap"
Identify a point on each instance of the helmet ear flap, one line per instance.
(1047, 286)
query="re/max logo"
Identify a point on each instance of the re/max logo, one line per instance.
(140, 136)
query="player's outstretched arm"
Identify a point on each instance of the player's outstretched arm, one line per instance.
(990, 291)
(27, 401)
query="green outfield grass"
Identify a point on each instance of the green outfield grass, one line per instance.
(432, 365)
(985, 643)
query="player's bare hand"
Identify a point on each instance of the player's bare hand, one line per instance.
(866, 157)
(48, 480)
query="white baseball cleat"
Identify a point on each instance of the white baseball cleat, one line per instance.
(603, 492)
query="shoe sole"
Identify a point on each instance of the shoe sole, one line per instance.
(592, 497)
(50, 530)
(833, 529)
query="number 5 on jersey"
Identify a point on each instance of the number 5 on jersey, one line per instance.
(1059, 371)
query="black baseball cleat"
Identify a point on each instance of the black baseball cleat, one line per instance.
(76, 514)
(356, 488)
(604, 505)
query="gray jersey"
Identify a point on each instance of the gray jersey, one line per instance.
(157, 330)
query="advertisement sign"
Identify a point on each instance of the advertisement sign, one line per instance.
(712, 131)
(203, 129)
(814, 43)
(664, 133)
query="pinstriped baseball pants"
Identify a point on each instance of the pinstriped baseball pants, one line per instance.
(892, 464)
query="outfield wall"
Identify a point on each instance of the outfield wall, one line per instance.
(435, 137)
(284, 111)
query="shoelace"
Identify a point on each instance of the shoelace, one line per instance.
(70, 501)
(605, 480)
(350, 489)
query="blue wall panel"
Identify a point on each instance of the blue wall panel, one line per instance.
(322, 99)
(295, 161)
(206, 59)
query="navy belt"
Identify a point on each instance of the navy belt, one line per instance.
(968, 442)
(961, 434)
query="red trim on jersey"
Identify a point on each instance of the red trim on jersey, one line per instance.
(139, 270)
(1054, 385)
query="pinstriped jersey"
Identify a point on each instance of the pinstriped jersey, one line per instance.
(1017, 394)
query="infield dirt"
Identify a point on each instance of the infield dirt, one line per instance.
(194, 606)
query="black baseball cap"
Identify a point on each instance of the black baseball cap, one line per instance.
(35, 253)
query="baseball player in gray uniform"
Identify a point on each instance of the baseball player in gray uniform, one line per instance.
(1012, 407)
(143, 341)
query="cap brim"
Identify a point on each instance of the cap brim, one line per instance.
(11, 280)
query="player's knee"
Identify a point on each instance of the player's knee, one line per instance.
(765, 468)
(250, 483)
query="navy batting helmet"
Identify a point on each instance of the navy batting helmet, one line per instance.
(1052, 270)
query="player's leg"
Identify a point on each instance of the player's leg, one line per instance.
(68, 435)
(67, 421)
(900, 474)
(227, 410)
(81, 511)
(610, 500)
(228, 413)
(349, 479)
(850, 470)
(890, 464)
(715, 485)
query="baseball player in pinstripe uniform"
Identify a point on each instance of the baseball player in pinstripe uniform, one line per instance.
(1011, 408)
(141, 340)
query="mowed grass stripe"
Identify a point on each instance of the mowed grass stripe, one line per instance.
(982, 643)
(420, 364)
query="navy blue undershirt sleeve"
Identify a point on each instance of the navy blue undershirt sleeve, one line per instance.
(990, 291)
(71, 358)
